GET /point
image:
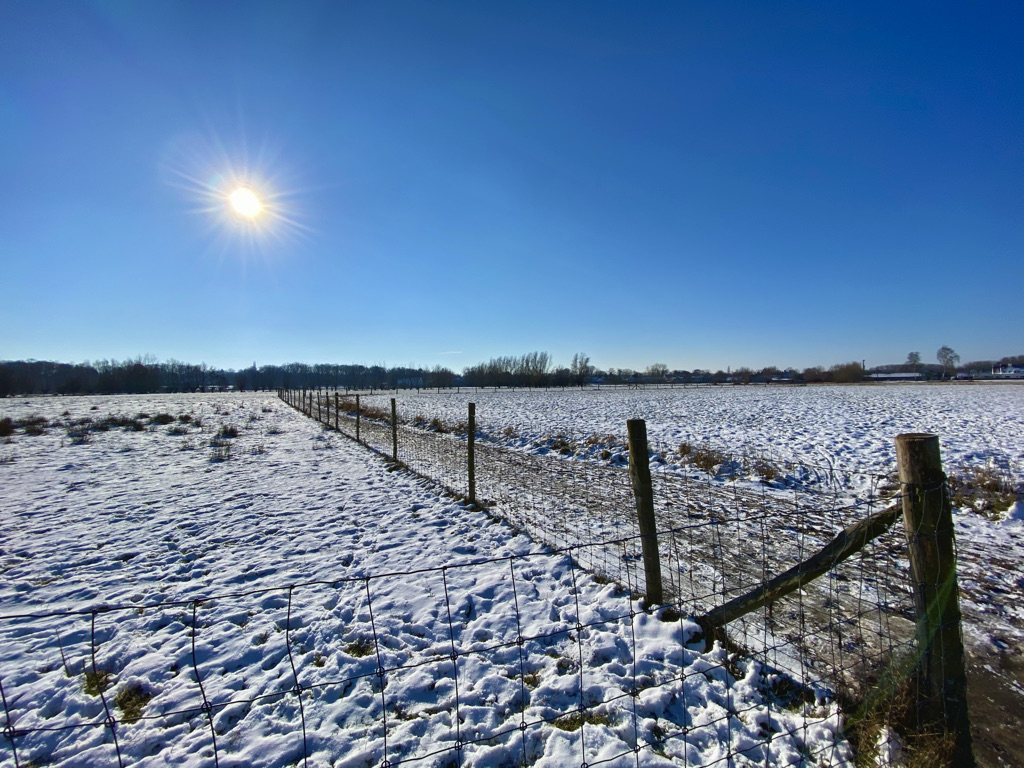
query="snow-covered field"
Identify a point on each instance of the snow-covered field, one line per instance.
(847, 427)
(269, 575)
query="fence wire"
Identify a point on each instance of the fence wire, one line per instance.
(413, 667)
(720, 535)
(840, 638)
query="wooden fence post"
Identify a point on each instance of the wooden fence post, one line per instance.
(928, 522)
(319, 411)
(337, 410)
(471, 451)
(394, 430)
(640, 475)
(357, 418)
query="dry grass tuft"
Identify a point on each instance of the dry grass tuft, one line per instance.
(985, 490)
(96, 681)
(132, 700)
(359, 648)
(576, 720)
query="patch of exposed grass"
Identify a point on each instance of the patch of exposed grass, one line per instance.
(563, 445)
(163, 419)
(125, 422)
(132, 700)
(33, 425)
(576, 720)
(79, 435)
(221, 450)
(96, 681)
(227, 431)
(985, 490)
(703, 457)
(6, 426)
(359, 648)
(765, 469)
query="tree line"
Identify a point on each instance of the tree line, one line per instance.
(533, 369)
(146, 374)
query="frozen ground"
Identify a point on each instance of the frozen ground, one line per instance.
(848, 430)
(847, 427)
(305, 541)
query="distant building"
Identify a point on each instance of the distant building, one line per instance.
(1008, 372)
(893, 377)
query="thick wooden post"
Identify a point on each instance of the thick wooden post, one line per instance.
(357, 418)
(394, 430)
(928, 522)
(337, 410)
(319, 411)
(471, 453)
(640, 475)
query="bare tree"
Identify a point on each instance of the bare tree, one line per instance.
(581, 368)
(913, 360)
(948, 358)
(657, 371)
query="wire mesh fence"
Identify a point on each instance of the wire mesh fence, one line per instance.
(467, 664)
(720, 535)
(483, 663)
(726, 524)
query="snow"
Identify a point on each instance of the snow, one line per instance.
(302, 560)
(847, 427)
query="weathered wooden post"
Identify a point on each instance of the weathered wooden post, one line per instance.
(640, 476)
(337, 410)
(471, 453)
(394, 430)
(357, 418)
(928, 522)
(319, 412)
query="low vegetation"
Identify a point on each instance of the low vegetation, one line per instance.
(132, 700)
(96, 681)
(985, 490)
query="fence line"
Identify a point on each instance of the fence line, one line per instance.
(719, 541)
(371, 662)
(847, 637)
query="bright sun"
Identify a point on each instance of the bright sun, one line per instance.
(244, 201)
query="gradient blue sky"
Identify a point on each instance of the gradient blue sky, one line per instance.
(699, 184)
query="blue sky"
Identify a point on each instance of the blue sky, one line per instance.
(699, 184)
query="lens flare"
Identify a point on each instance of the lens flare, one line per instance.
(249, 203)
(244, 201)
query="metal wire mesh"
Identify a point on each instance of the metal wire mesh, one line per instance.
(720, 537)
(836, 639)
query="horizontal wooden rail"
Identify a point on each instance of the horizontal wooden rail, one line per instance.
(850, 540)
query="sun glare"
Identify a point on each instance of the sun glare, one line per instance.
(250, 204)
(244, 201)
